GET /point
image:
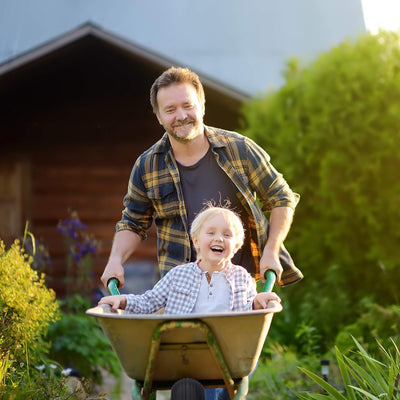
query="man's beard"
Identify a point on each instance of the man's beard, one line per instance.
(185, 139)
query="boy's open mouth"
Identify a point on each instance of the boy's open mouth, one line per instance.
(217, 249)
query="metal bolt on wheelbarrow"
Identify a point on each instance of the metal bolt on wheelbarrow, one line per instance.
(156, 350)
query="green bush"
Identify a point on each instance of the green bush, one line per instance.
(333, 129)
(27, 307)
(31, 367)
(45, 382)
(374, 322)
(77, 341)
(278, 376)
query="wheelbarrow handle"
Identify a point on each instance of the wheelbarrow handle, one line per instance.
(113, 285)
(270, 278)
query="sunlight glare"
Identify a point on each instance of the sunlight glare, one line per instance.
(381, 14)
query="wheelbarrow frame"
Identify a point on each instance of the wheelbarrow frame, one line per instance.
(231, 385)
(191, 339)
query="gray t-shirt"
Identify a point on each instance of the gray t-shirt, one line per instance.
(205, 181)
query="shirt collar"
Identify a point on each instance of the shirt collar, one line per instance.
(163, 145)
(215, 138)
(228, 270)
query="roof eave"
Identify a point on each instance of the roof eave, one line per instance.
(91, 29)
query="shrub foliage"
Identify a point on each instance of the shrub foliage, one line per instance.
(27, 306)
(333, 129)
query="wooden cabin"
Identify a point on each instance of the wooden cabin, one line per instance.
(75, 114)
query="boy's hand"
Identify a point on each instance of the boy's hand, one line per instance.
(261, 300)
(116, 302)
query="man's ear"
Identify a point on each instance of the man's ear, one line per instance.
(159, 120)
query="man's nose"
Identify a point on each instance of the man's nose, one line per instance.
(180, 114)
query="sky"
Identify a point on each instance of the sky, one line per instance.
(381, 14)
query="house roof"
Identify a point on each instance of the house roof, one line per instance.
(90, 30)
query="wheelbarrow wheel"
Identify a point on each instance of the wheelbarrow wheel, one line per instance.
(187, 388)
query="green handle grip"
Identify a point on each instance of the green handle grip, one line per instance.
(270, 278)
(113, 285)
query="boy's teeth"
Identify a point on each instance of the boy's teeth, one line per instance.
(216, 248)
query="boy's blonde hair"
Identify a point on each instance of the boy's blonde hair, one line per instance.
(230, 216)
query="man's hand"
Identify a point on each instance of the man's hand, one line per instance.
(270, 260)
(113, 269)
(261, 300)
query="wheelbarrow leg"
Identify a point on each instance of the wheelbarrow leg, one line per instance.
(136, 393)
(243, 389)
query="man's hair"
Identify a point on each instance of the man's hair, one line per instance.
(230, 216)
(176, 75)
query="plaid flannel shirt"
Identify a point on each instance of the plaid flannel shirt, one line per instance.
(177, 291)
(154, 190)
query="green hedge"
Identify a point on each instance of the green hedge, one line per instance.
(333, 129)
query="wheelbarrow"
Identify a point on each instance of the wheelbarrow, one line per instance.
(156, 350)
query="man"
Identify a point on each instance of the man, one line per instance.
(193, 164)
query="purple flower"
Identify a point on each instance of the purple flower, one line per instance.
(71, 228)
(80, 246)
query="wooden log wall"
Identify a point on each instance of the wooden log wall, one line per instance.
(91, 187)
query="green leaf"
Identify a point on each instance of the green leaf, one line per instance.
(369, 395)
(375, 367)
(364, 379)
(325, 385)
(345, 374)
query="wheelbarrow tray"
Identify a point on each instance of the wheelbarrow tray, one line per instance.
(184, 349)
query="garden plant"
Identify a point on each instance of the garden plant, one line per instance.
(370, 378)
(333, 129)
(43, 338)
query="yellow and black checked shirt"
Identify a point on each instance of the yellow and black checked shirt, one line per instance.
(154, 190)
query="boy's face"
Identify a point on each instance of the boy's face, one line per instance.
(216, 243)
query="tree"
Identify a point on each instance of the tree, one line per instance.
(333, 129)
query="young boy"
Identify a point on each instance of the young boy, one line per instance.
(212, 283)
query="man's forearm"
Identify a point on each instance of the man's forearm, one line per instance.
(124, 244)
(280, 221)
